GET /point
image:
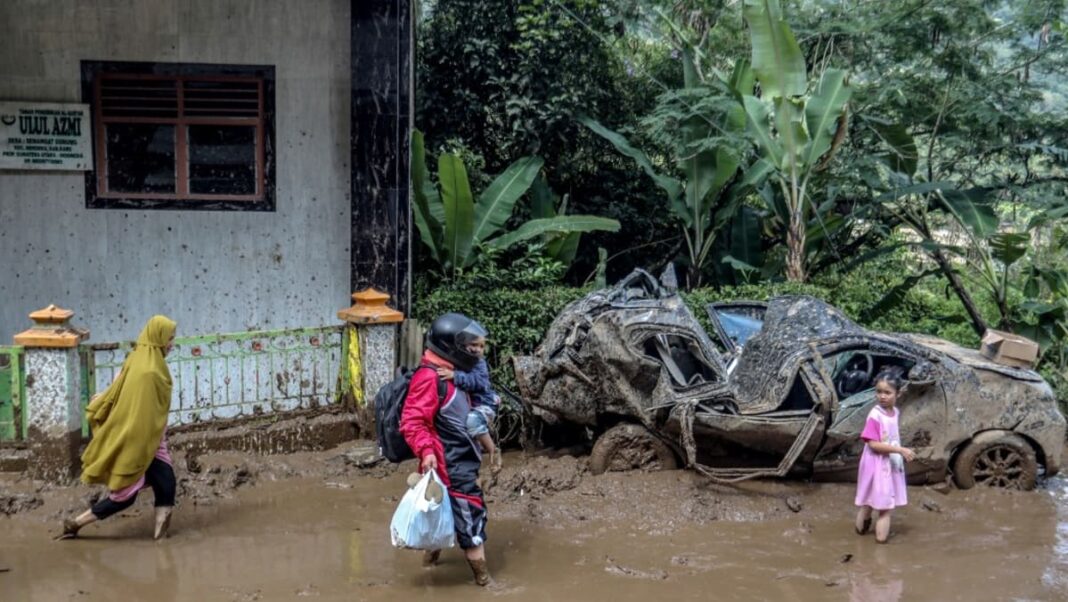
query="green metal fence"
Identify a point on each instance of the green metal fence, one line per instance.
(12, 392)
(237, 375)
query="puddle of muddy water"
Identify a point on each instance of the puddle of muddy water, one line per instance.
(327, 539)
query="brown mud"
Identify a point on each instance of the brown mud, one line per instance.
(315, 525)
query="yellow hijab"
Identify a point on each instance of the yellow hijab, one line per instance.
(127, 419)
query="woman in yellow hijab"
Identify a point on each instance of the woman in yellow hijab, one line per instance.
(128, 420)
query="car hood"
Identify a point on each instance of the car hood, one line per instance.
(972, 358)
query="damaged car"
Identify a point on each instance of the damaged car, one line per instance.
(777, 389)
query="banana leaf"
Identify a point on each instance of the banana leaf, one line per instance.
(496, 203)
(459, 210)
(670, 185)
(973, 208)
(542, 204)
(759, 125)
(564, 247)
(822, 111)
(560, 223)
(1009, 247)
(425, 194)
(777, 59)
(790, 124)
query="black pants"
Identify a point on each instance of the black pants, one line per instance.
(160, 476)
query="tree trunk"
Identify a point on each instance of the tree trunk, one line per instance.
(795, 248)
(978, 323)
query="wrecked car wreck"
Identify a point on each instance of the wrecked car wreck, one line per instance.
(778, 389)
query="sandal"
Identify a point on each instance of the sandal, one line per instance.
(863, 530)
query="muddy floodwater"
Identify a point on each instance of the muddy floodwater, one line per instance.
(315, 526)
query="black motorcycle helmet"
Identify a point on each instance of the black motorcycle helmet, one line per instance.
(449, 336)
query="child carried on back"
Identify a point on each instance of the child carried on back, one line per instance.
(484, 400)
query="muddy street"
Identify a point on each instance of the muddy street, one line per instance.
(315, 525)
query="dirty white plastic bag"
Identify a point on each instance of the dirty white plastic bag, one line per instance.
(423, 524)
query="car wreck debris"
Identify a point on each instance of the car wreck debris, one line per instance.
(778, 389)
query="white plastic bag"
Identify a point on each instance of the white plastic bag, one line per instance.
(423, 524)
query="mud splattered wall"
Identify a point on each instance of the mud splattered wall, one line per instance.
(213, 271)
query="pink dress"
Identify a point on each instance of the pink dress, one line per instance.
(881, 477)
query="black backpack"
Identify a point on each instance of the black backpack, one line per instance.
(389, 403)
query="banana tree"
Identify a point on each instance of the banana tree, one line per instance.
(798, 132)
(708, 120)
(455, 226)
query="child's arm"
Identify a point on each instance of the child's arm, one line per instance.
(885, 448)
(475, 381)
(872, 436)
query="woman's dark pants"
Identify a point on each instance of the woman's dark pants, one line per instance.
(160, 476)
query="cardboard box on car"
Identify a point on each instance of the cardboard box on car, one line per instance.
(1009, 349)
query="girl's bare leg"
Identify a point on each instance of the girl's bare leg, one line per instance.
(863, 520)
(488, 446)
(882, 526)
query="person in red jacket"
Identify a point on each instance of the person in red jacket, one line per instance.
(437, 433)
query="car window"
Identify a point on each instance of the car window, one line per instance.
(736, 322)
(683, 359)
(852, 371)
(739, 328)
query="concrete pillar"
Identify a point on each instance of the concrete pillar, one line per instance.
(371, 337)
(381, 106)
(53, 394)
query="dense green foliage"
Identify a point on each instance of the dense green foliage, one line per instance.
(943, 211)
(499, 80)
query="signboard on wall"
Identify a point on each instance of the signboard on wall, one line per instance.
(51, 136)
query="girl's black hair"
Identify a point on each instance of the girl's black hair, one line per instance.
(891, 375)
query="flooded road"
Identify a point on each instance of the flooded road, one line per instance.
(306, 527)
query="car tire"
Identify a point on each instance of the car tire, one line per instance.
(631, 447)
(996, 459)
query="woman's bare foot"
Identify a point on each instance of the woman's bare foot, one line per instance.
(163, 521)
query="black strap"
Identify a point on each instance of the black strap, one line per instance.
(443, 388)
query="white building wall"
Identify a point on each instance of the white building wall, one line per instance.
(212, 271)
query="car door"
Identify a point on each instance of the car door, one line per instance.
(922, 407)
(788, 434)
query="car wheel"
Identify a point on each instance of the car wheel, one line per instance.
(630, 447)
(996, 459)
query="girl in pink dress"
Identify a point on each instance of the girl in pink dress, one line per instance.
(881, 477)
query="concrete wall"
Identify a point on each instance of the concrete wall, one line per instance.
(212, 271)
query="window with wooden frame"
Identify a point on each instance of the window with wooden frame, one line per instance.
(180, 136)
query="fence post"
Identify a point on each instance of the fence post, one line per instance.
(371, 339)
(53, 394)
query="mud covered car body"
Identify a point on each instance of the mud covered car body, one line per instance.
(783, 388)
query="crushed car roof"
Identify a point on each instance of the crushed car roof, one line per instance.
(763, 375)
